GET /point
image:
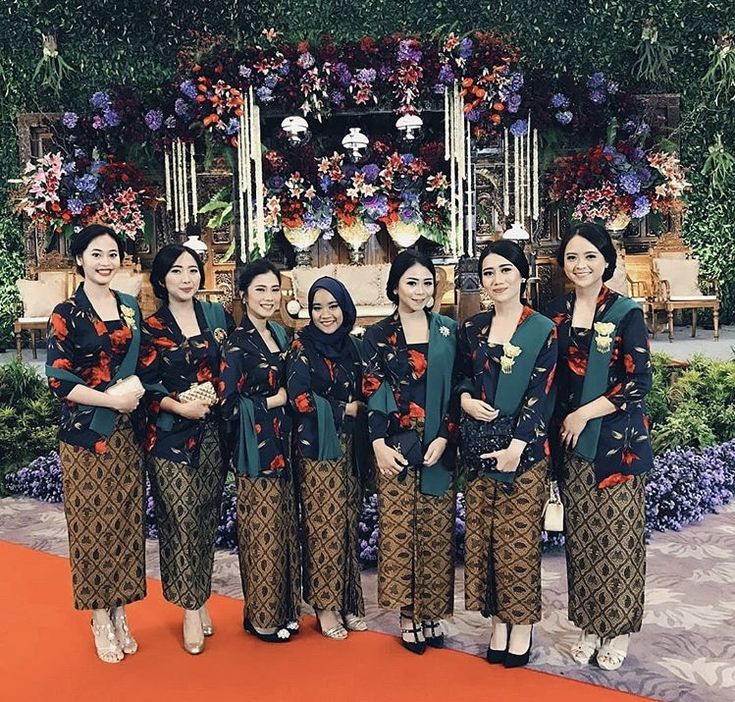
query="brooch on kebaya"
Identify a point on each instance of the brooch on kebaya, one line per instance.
(128, 314)
(444, 331)
(220, 335)
(603, 338)
(508, 359)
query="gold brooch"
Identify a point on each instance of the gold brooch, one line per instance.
(603, 335)
(220, 335)
(508, 359)
(128, 314)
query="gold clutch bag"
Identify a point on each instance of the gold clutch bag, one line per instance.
(202, 391)
(126, 385)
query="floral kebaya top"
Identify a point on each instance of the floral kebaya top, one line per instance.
(480, 363)
(387, 357)
(339, 381)
(624, 447)
(177, 362)
(81, 343)
(250, 370)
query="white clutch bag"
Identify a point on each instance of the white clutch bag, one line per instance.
(553, 510)
(126, 385)
(201, 391)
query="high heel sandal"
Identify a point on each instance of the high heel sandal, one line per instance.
(127, 643)
(497, 655)
(584, 650)
(517, 660)
(193, 644)
(416, 631)
(336, 632)
(610, 656)
(206, 620)
(430, 627)
(280, 635)
(106, 643)
(353, 622)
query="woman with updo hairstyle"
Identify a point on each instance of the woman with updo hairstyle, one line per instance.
(256, 402)
(93, 343)
(325, 390)
(179, 366)
(506, 358)
(407, 378)
(602, 447)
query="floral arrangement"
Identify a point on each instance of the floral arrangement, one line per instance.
(681, 489)
(60, 193)
(623, 179)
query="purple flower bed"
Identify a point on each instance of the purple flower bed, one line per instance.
(683, 487)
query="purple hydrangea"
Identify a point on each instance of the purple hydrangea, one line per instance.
(344, 76)
(641, 208)
(446, 74)
(366, 75)
(598, 96)
(559, 101)
(564, 117)
(376, 206)
(473, 115)
(407, 52)
(75, 205)
(189, 89)
(371, 172)
(271, 81)
(305, 60)
(264, 94)
(514, 102)
(110, 117)
(325, 182)
(244, 71)
(285, 68)
(596, 81)
(100, 100)
(86, 183)
(516, 82)
(181, 107)
(70, 119)
(630, 183)
(153, 119)
(519, 128)
(233, 127)
(276, 182)
(465, 48)
(337, 98)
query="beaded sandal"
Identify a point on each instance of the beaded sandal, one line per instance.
(584, 650)
(611, 654)
(106, 643)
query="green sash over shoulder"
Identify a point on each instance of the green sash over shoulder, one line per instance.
(595, 380)
(103, 419)
(512, 386)
(440, 363)
(214, 314)
(248, 457)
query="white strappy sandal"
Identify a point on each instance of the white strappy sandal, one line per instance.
(612, 653)
(584, 650)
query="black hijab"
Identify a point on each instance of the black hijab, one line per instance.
(335, 345)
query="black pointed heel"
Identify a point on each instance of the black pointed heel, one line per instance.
(417, 645)
(268, 638)
(433, 639)
(518, 660)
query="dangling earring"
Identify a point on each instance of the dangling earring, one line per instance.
(429, 303)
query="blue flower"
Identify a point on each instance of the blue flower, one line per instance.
(111, 118)
(285, 68)
(596, 80)
(376, 206)
(516, 82)
(153, 119)
(519, 128)
(270, 81)
(75, 205)
(86, 183)
(630, 183)
(366, 75)
(244, 71)
(189, 89)
(100, 100)
(276, 182)
(564, 117)
(181, 108)
(233, 126)
(371, 172)
(598, 96)
(407, 52)
(642, 207)
(473, 115)
(337, 98)
(514, 102)
(305, 60)
(559, 101)
(446, 74)
(264, 94)
(465, 48)
(70, 119)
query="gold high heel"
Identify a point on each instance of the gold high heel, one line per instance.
(127, 643)
(193, 646)
(206, 620)
(106, 643)
(353, 622)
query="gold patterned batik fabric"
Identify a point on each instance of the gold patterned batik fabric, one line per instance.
(606, 551)
(268, 550)
(330, 500)
(503, 546)
(104, 505)
(416, 547)
(188, 502)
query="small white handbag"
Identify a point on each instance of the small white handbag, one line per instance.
(553, 509)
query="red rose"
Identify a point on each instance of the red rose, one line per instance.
(418, 363)
(58, 323)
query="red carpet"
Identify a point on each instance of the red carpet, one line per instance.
(46, 654)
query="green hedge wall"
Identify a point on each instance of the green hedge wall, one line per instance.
(136, 41)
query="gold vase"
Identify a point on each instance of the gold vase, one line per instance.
(302, 239)
(404, 235)
(355, 236)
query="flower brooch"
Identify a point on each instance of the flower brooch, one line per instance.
(128, 314)
(508, 359)
(444, 331)
(603, 335)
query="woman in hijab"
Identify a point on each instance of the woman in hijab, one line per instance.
(324, 381)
